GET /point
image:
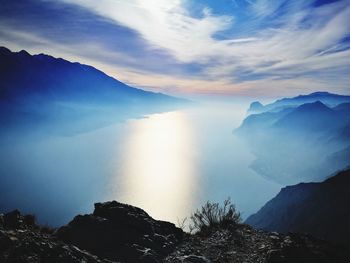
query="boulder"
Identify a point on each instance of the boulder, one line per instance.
(5, 241)
(122, 232)
(12, 219)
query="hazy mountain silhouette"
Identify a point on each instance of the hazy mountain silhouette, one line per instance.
(298, 144)
(320, 209)
(41, 88)
(315, 117)
(24, 75)
(312, 117)
(256, 106)
(254, 123)
(327, 98)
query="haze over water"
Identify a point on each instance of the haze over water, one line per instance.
(168, 164)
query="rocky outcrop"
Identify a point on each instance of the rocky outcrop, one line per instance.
(22, 241)
(117, 232)
(122, 232)
(245, 244)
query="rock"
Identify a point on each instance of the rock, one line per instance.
(29, 220)
(22, 242)
(118, 231)
(5, 241)
(256, 246)
(12, 219)
(274, 256)
(194, 259)
(1, 221)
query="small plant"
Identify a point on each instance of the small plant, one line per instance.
(213, 215)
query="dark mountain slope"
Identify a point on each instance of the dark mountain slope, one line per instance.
(320, 209)
(62, 95)
(45, 77)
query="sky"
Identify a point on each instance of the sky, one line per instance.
(253, 48)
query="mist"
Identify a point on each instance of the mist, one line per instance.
(296, 144)
(56, 171)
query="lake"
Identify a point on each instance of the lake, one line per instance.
(168, 164)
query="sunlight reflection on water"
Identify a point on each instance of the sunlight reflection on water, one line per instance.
(159, 168)
(168, 164)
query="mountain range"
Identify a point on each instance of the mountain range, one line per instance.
(295, 144)
(325, 97)
(41, 88)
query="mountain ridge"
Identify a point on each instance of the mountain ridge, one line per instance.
(298, 143)
(41, 90)
(330, 99)
(12, 64)
(320, 209)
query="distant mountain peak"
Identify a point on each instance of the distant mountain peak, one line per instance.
(4, 50)
(23, 52)
(255, 106)
(324, 97)
(314, 105)
(320, 93)
(309, 116)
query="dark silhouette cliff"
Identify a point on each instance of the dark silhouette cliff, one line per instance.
(320, 209)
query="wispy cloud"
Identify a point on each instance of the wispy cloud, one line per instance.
(262, 46)
(166, 24)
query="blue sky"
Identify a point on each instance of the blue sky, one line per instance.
(255, 48)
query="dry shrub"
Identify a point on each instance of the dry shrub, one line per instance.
(212, 215)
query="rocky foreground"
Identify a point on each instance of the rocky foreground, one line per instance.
(116, 232)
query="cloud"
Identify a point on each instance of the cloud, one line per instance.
(265, 8)
(262, 43)
(165, 24)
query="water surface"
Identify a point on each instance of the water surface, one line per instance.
(167, 163)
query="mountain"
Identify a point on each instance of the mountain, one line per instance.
(256, 106)
(254, 123)
(117, 232)
(343, 110)
(327, 98)
(298, 144)
(24, 76)
(314, 117)
(320, 209)
(310, 117)
(41, 88)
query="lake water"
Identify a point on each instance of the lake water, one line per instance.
(168, 164)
